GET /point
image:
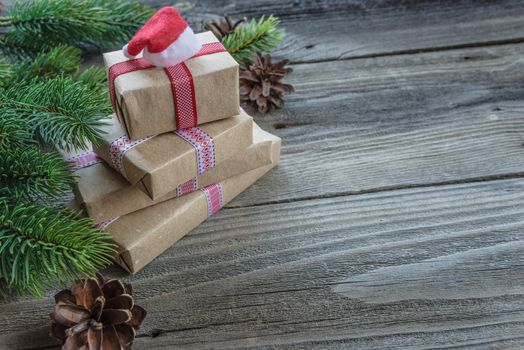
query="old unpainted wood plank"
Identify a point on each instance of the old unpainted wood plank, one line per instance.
(435, 267)
(335, 29)
(389, 122)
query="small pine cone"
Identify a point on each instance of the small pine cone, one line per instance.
(96, 314)
(224, 27)
(260, 84)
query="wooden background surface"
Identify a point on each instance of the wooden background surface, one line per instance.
(396, 217)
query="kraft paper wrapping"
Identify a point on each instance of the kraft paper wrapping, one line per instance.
(165, 161)
(104, 194)
(145, 98)
(145, 234)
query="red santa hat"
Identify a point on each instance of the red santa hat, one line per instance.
(165, 39)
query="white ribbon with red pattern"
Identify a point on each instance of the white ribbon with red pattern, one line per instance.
(118, 148)
(214, 197)
(83, 160)
(204, 147)
(102, 225)
(187, 187)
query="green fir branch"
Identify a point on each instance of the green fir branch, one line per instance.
(41, 245)
(26, 173)
(16, 51)
(94, 77)
(37, 24)
(14, 131)
(261, 36)
(6, 72)
(61, 59)
(64, 112)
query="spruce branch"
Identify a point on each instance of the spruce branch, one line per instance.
(37, 24)
(15, 51)
(61, 59)
(6, 72)
(40, 245)
(64, 112)
(94, 77)
(26, 173)
(14, 131)
(261, 36)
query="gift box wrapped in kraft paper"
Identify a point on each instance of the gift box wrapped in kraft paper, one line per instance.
(143, 235)
(151, 100)
(103, 194)
(163, 162)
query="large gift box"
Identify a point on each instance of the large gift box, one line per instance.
(161, 163)
(151, 100)
(144, 234)
(105, 195)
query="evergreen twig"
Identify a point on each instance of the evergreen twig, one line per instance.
(38, 24)
(261, 36)
(61, 59)
(6, 72)
(26, 173)
(64, 112)
(14, 131)
(40, 245)
(94, 78)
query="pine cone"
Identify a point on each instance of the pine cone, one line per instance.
(224, 27)
(96, 314)
(260, 86)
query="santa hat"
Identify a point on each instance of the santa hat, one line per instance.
(166, 39)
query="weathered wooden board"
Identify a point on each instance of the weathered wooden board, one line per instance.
(415, 268)
(337, 30)
(388, 122)
(384, 226)
(340, 29)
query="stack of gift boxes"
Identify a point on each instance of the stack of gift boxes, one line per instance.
(176, 150)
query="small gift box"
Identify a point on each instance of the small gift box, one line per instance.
(151, 100)
(163, 162)
(143, 235)
(104, 194)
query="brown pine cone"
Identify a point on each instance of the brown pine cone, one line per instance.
(260, 84)
(224, 27)
(96, 314)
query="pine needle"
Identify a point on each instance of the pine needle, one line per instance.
(41, 245)
(14, 131)
(64, 112)
(6, 72)
(61, 59)
(94, 77)
(38, 24)
(26, 173)
(261, 36)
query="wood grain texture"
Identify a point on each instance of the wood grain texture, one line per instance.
(413, 268)
(325, 30)
(342, 29)
(389, 122)
(396, 217)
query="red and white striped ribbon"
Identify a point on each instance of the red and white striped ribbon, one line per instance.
(83, 160)
(181, 80)
(119, 147)
(187, 187)
(214, 197)
(204, 147)
(117, 70)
